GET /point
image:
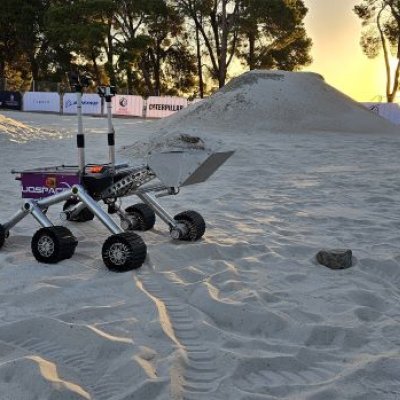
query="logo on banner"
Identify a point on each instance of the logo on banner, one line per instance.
(165, 107)
(47, 189)
(70, 103)
(51, 182)
(123, 102)
(11, 102)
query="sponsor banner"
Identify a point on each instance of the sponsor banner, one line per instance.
(42, 101)
(11, 100)
(127, 105)
(91, 104)
(389, 111)
(36, 185)
(160, 107)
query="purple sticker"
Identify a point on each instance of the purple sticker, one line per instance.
(37, 185)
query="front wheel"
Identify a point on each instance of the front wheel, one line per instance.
(124, 251)
(194, 225)
(54, 244)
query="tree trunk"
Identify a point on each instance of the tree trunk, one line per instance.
(2, 69)
(199, 64)
(224, 46)
(252, 58)
(391, 96)
(96, 69)
(3, 78)
(110, 54)
(34, 67)
(129, 77)
(146, 75)
(155, 58)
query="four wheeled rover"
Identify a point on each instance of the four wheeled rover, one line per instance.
(84, 187)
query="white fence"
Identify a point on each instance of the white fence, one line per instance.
(91, 104)
(41, 101)
(160, 107)
(132, 106)
(389, 111)
(128, 105)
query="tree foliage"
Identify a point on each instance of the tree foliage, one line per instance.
(381, 34)
(151, 47)
(273, 34)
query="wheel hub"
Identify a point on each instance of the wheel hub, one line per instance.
(129, 222)
(45, 246)
(118, 253)
(178, 231)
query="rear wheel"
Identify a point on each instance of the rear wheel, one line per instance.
(54, 244)
(83, 215)
(194, 223)
(124, 251)
(142, 217)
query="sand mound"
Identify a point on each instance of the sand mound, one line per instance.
(19, 132)
(278, 101)
(264, 101)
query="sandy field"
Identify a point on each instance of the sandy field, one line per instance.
(246, 313)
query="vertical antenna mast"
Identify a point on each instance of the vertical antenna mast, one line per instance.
(77, 83)
(80, 136)
(108, 92)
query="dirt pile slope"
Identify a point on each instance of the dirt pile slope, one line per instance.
(278, 101)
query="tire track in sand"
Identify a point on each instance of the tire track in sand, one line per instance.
(198, 376)
(93, 378)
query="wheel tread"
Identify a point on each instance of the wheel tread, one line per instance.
(195, 223)
(65, 243)
(137, 254)
(145, 215)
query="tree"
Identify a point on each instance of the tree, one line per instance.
(263, 33)
(152, 48)
(21, 38)
(77, 28)
(130, 42)
(217, 23)
(167, 58)
(8, 34)
(381, 23)
(273, 34)
(31, 38)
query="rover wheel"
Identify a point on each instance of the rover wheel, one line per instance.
(195, 225)
(51, 245)
(143, 215)
(124, 251)
(83, 215)
(3, 236)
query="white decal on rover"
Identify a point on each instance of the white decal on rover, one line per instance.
(43, 190)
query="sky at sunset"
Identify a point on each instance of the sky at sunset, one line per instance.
(335, 31)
